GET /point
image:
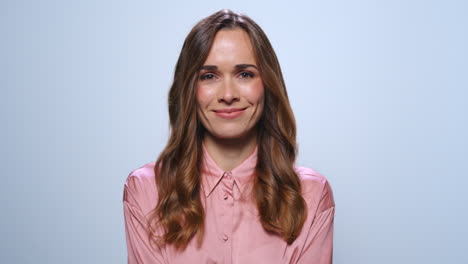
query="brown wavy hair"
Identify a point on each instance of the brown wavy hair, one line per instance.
(277, 189)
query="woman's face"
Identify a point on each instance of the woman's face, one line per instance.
(230, 91)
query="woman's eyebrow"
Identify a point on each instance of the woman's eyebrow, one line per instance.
(209, 67)
(244, 66)
(237, 66)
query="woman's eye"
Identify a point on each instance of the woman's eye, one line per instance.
(207, 76)
(246, 75)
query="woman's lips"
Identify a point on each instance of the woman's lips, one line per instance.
(229, 113)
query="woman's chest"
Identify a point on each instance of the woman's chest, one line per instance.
(234, 234)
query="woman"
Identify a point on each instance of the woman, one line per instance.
(225, 188)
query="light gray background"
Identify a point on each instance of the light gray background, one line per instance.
(379, 89)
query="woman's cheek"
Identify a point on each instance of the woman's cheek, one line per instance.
(204, 95)
(255, 92)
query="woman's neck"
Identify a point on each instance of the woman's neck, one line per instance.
(229, 153)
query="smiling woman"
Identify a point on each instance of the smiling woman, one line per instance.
(230, 90)
(227, 175)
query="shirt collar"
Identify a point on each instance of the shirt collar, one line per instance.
(212, 174)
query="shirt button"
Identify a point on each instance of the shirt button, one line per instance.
(228, 175)
(225, 237)
(225, 197)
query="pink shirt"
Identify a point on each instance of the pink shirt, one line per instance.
(233, 232)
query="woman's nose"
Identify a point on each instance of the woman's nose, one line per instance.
(228, 91)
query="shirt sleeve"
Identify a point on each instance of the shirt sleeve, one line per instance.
(318, 247)
(139, 249)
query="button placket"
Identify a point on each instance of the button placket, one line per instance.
(228, 203)
(228, 190)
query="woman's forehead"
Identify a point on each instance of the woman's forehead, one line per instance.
(231, 47)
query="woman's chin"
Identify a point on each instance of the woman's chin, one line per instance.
(230, 134)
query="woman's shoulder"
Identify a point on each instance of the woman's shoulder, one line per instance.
(140, 187)
(311, 180)
(143, 174)
(315, 188)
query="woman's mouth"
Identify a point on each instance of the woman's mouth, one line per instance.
(229, 113)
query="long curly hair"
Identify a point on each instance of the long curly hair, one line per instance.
(277, 189)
